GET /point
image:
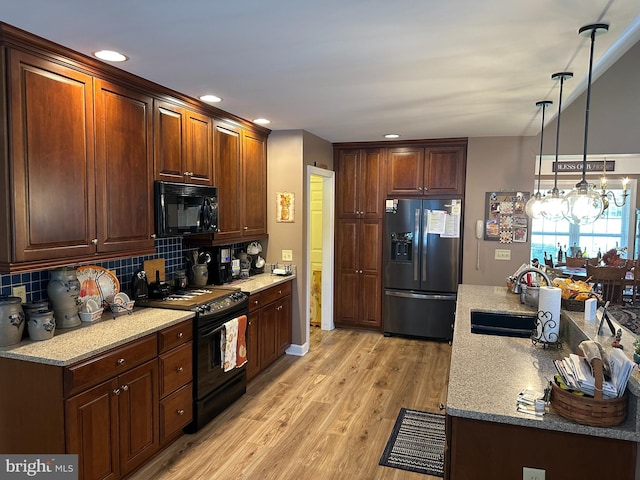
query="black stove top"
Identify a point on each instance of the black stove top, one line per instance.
(199, 299)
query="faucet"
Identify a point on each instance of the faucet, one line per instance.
(518, 289)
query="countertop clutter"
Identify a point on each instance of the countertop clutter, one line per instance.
(489, 371)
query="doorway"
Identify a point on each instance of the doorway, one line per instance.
(320, 185)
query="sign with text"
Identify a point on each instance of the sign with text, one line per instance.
(44, 467)
(577, 166)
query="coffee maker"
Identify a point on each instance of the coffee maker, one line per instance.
(220, 265)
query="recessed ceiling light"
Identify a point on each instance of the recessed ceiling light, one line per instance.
(110, 56)
(262, 121)
(392, 135)
(210, 98)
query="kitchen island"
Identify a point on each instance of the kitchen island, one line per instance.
(487, 373)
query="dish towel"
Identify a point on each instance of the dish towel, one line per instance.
(229, 344)
(241, 351)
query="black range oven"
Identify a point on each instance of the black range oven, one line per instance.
(213, 388)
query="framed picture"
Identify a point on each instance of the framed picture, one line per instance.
(285, 207)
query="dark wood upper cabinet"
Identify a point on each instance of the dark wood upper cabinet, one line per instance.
(52, 162)
(426, 171)
(183, 144)
(124, 180)
(254, 184)
(228, 179)
(360, 192)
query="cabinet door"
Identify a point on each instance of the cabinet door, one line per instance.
(347, 172)
(254, 184)
(268, 332)
(370, 294)
(169, 142)
(138, 414)
(91, 421)
(124, 180)
(199, 148)
(347, 272)
(444, 171)
(228, 180)
(370, 191)
(52, 152)
(283, 312)
(253, 358)
(405, 167)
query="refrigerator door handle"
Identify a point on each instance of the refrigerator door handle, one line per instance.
(423, 260)
(421, 296)
(416, 235)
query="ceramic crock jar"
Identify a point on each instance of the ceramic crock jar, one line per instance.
(41, 325)
(11, 321)
(63, 291)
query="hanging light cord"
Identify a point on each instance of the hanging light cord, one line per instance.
(583, 182)
(544, 106)
(555, 177)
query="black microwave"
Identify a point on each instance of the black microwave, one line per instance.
(185, 209)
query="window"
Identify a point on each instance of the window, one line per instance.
(611, 230)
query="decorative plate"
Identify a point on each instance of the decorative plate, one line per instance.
(98, 284)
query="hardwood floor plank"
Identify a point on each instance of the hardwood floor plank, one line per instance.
(327, 415)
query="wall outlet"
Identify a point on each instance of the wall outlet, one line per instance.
(532, 473)
(287, 255)
(20, 291)
(502, 254)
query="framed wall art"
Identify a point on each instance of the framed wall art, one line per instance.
(505, 217)
(285, 207)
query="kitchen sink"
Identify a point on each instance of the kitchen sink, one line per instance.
(504, 324)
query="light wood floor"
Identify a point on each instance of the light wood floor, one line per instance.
(326, 415)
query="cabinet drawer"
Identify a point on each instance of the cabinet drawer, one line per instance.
(274, 293)
(176, 412)
(255, 301)
(114, 362)
(173, 336)
(175, 368)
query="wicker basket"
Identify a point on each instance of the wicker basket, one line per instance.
(577, 305)
(592, 411)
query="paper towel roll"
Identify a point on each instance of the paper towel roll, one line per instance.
(549, 301)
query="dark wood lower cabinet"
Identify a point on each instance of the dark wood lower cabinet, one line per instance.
(479, 449)
(115, 410)
(113, 427)
(269, 329)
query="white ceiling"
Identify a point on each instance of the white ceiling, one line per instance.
(351, 70)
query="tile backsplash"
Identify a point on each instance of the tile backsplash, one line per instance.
(36, 282)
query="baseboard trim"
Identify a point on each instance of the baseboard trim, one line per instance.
(298, 350)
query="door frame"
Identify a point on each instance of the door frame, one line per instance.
(328, 228)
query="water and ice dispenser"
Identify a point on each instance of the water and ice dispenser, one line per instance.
(401, 246)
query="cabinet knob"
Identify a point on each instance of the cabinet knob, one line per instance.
(279, 307)
(419, 188)
(279, 292)
(153, 235)
(188, 174)
(360, 271)
(180, 412)
(117, 391)
(125, 388)
(180, 334)
(180, 369)
(246, 228)
(94, 241)
(120, 361)
(255, 302)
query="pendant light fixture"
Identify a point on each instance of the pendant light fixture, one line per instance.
(533, 208)
(552, 205)
(583, 204)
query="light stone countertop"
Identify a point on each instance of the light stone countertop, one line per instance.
(69, 346)
(487, 371)
(262, 281)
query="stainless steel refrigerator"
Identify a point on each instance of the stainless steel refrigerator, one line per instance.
(422, 266)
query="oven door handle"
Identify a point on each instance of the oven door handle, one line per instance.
(212, 332)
